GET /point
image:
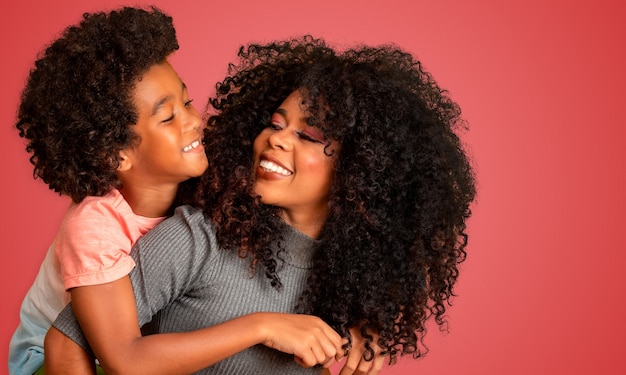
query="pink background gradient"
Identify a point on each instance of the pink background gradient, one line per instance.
(541, 84)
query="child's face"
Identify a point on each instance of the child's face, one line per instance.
(170, 149)
(292, 170)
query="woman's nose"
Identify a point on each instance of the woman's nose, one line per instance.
(280, 139)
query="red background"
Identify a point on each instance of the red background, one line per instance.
(541, 85)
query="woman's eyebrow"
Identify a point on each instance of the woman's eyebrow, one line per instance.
(283, 112)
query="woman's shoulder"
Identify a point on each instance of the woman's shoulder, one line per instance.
(186, 211)
(187, 234)
(190, 216)
(187, 223)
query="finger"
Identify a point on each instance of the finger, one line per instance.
(352, 362)
(306, 360)
(333, 335)
(329, 363)
(335, 340)
(298, 360)
(377, 365)
(331, 347)
(330, 352)
(343, 350)
(319, 354)
(374, 366)
(364, 366)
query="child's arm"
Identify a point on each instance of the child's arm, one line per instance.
(108, 318)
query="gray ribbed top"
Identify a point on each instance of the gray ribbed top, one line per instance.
(184, 278)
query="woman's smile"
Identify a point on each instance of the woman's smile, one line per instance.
(292, 170)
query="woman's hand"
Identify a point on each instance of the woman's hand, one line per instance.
(355, 363)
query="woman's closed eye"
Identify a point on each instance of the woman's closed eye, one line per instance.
(313, 134)
(310, 138)
(275, 126)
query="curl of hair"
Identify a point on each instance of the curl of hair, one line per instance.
(403, 186)
(77, 107)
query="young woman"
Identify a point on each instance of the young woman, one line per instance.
(336, 187)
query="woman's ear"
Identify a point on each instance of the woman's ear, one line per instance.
(125, 162)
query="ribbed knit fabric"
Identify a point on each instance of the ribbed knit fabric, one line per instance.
(184, 278)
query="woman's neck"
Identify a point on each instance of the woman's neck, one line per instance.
(307, 224)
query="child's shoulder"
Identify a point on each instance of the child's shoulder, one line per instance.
(113, 201)
(98, 210)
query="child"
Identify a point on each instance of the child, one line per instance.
(109, 124)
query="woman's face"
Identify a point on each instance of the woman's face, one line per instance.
(292, 171)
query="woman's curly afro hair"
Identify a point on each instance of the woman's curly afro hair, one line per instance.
(403, 185)
(77, 106)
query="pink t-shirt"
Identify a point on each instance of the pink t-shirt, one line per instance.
(94, 241)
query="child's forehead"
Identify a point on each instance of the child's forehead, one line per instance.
(159, 84)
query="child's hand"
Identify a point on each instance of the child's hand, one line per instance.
(307, 337)
(355, 363)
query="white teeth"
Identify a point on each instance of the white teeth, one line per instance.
(269, 166)
(191, 146)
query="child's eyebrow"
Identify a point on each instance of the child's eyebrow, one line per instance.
(160, 103)
(165, 99)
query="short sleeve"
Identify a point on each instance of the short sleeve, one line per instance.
(94, 241)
